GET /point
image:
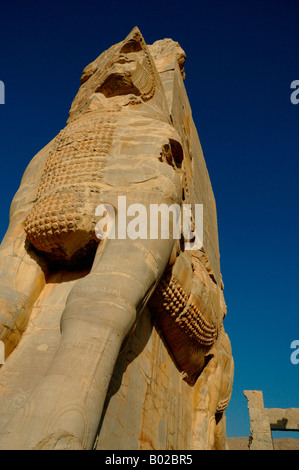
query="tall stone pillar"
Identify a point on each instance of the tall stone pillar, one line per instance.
(260, 430)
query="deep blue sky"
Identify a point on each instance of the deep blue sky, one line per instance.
(241, 60)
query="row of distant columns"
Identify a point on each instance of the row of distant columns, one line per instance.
(264, 420)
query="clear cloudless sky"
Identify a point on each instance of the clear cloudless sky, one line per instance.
(241, 59)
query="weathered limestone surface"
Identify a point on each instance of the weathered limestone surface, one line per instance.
(260, 430)
(147, 391)
(119, 343)
(30, 360)
(263, 420)
(241, 443)
(283, 420)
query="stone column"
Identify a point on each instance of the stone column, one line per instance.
(260, 430)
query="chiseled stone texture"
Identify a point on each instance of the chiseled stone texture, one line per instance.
(264, 420)
(283, 420)
(147, 392)
(28, 364)
(260, 430)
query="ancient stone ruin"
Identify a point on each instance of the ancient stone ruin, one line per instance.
(264, 420)
(115, 343)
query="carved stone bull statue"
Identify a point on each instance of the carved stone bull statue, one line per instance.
(122, 139)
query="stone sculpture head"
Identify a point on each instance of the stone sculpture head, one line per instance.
(126, 73)
(122, 80)
(130, 71)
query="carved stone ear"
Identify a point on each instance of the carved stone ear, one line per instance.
(134, 42)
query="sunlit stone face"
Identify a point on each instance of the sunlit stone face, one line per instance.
(129, 72)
